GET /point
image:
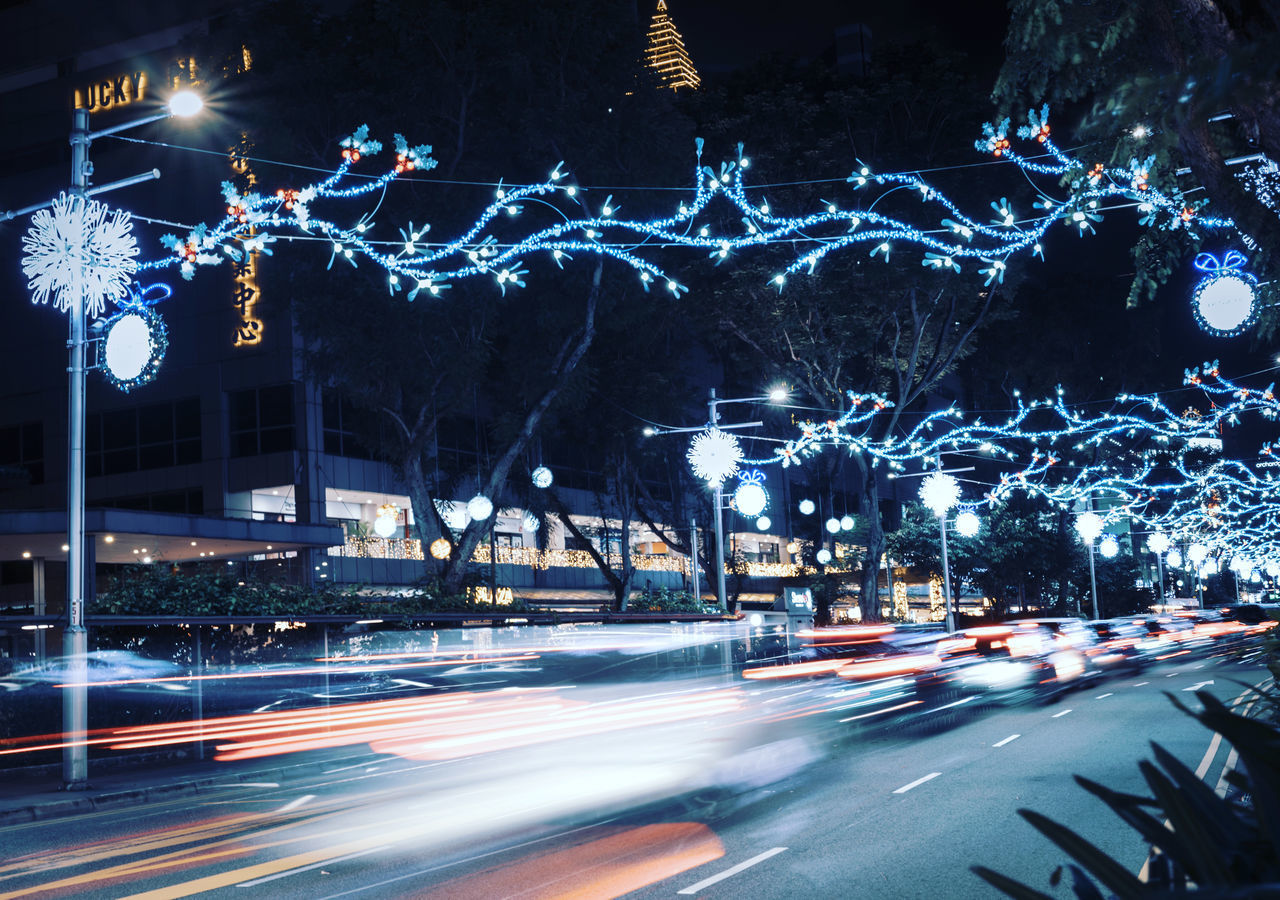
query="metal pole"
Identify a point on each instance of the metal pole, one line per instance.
(693, 569)
(75, 640)
(953, 621)
(1093, 582)
(718, 501)
(720, 598)
(1160, 574)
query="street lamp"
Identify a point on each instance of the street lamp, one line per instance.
(714, 456)
(75, 760)
(940, 492)
(1089, 525)
(1197, 554)
(1158, 543)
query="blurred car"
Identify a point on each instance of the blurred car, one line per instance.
(875, 675)
(1011, 663)
(102, 668)
(1071, 634)
(1123, 645)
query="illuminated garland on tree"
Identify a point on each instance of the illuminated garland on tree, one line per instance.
(254, 220)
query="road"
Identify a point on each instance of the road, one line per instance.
(873, 815)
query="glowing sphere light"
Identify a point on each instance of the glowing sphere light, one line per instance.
(1174, 558)
(440, 548)
(807, 507)
(833, 525)
(764, 523)
(968, 523)
(1158, 542)
(847, 523)
(1109, 548)
(824, 556)
(479, 507)
(750, 497)
(542, 477)
(1224, 300)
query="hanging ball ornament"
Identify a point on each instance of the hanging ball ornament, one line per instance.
(824, 556)
(1109, 547)
(764, 523)
(542, 477)
(968, 523)
(807, 507)
(1224, 300)
(479, 507)
(440, 548)
(833, 525)
(847, 523)
(751, 497)
(530, 522)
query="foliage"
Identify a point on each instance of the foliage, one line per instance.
(156, 590)
(1169, 69)
(1224, 846)
(669, 601)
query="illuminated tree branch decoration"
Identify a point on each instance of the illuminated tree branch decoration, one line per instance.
(412, 264)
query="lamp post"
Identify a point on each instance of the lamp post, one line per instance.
(1089, 525)
(940, 492)
(1158, 543)
(713, 473)
(1197, 553)
(75, 762)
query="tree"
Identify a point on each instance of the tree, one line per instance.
(494, 110)
(890, 327)
(1181, 83)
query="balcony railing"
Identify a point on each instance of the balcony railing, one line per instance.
(533, 558)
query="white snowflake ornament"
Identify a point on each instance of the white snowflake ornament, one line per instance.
(714, 456)
(79, 248)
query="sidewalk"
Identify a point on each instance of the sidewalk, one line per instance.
(34, 794)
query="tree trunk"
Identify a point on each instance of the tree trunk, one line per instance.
(869, 500)
(575, 346)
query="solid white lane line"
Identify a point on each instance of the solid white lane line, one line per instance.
(1141, 683)
(917, 782)
(731, 871)
(1012, 737)
(1209, 755)
(1059, 715)
(328, 862)
(294, 804)
(1103, 696)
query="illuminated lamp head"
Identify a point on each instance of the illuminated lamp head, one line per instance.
(185, 103)
(1224, 300)
(939, 492)
(1109, 547)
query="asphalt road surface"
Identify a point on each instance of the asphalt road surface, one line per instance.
(877, 815)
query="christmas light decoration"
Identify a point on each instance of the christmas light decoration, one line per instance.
(479, 507)
(542, 477)
(847, 523)
(135, 339)
(968, 524)
(807, 507)
(1158, 542)
(832, 525)
(939, 492)
(530, 522)
(384, 524)
(714, 455)
(823, 556)
(764, 523)
(1223, 301)
(1089, 525)
(77, 248)
(751, 498)
(413, 265)
(440, 548)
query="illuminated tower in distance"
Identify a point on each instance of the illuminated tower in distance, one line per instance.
(666, 55)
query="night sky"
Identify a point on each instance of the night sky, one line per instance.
(721, 35)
